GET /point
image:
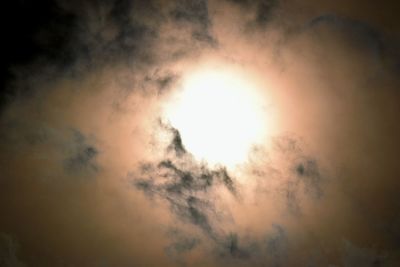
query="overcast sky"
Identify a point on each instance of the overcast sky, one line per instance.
(91, 175)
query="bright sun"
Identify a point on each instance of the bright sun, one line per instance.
(219, 115)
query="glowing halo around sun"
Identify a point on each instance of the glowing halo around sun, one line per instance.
(219, 114)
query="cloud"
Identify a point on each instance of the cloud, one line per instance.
(8, 251)
(356, 33)
(297, 171)
(189, 189)
(234, 249)
(82, 117)
(277, 246)
(82, 155)
(356, 256)
(186, 186)
(195, 13)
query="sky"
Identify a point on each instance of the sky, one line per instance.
(105, 161)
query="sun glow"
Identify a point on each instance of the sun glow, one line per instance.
(219, 115)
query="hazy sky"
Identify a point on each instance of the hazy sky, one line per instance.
(91, 173)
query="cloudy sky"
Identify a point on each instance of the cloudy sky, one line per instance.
(200, 133)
